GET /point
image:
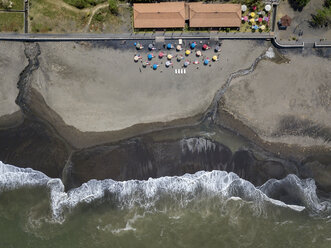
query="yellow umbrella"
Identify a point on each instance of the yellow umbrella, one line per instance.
(251, 20)
(169, 56)
(252, 14)
(187, 52)
(262, 27)
(214, 58)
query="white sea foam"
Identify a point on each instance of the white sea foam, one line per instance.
(270, 53)
(145, 194)
(196, 145)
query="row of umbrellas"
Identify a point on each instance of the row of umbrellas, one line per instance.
(260, 19)
(178, 47)
(244, 7)
(169, 56)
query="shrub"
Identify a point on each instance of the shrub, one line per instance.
(298, 4)
(113, 6)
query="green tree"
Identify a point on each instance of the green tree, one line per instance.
(113, 6)
(298, 4)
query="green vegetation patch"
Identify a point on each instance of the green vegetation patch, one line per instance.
(81, 4)
(322, 18)
(16, 4)
(53, 16)
(11, 22)
(298, 4)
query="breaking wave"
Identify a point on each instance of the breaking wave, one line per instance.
(182, 189)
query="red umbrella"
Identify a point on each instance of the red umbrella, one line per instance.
(161, 54)
(204, 47)
(260, 19)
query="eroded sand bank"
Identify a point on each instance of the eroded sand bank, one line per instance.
(12, 62)
(102, 89)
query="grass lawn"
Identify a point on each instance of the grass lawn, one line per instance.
(104, 21)
(52, 16)
(11, 22)
(17, 5)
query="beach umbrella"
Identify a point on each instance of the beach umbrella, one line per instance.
(217, 49)
(186, 63)
(145, 63)
(245, 18)
(263, 12)
(135, 43)
(168, 63)
(161, 55)
(155, 66)
(252, 14)
(193, 45)
(255, 27)
(206, 61)
(179, 58)
(214, 58)
(187, 52)
(267, 7)
(254, 8)
(205, 47)
(150, 47)
(266, 18)
(198, 53)
(195, 62)
(139, 46)
(260, 19)
(262, 27)
(252, 20)
(136, 58)
(150, 56)
(243, 8)
(169, 46)
(169, 56)
(178, 47)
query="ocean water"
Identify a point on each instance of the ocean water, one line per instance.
(205, 209)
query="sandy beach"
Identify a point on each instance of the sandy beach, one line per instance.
(287, 102)
(12, 62)
(102, 89)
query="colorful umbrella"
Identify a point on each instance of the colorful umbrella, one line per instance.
(195, 62)
(262, 27)
(193, 45)
(243, 8)
(145, 63)
(252, 20)
(169, 56)
(260, 19)
(198, 53)
(252, 14)
(206, 61)
(136, 58)
(178, 47)
(168, 63)
(214, 58)
(267, 7)
(205, 47)
(155, 66)
(169, 46)
(186, 63)
(161, 55)
(266, 18)
(150, 56)
(255, 27)
(245, 18)
(187, 52)
(179, 58)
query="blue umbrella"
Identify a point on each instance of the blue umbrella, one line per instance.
(135, 43)
(255, 27)
(154, 66)
(169, 46)
(193, 45)
(149, 56)
(206, 61)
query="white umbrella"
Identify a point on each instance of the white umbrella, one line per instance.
(243, 8)
(267, 7)
(262, 27)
